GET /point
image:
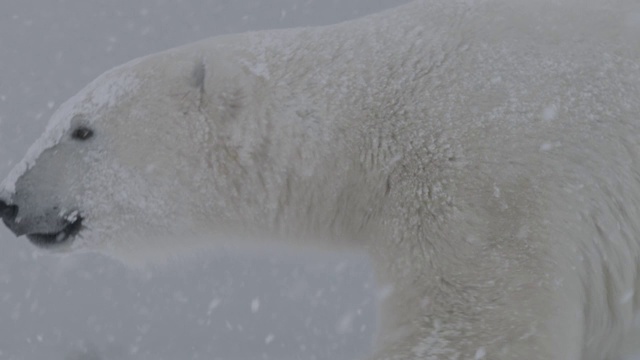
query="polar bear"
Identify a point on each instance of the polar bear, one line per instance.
(486, 154)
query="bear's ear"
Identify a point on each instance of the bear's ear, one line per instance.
(227, 96)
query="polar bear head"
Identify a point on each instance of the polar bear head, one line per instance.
(134, 155)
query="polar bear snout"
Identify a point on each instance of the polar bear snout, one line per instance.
(48, 230)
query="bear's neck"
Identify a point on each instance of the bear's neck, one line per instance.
(336, 125)
(351, 119)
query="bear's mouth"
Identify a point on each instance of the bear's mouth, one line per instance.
(57, 239)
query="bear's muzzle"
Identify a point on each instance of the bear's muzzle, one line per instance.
(62, 234)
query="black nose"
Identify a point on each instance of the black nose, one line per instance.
(8, 214)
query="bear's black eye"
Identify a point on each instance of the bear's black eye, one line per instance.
(82, 133)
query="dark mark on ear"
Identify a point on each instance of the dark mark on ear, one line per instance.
(198, 76)
(197, 80)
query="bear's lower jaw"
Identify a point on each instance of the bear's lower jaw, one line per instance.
(57, 240)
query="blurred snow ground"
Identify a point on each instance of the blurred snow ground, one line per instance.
(217, 306)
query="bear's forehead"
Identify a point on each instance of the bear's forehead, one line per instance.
(105, 92)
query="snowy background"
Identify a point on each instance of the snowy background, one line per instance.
(218, 306)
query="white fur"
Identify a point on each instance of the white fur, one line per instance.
(485, 153)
